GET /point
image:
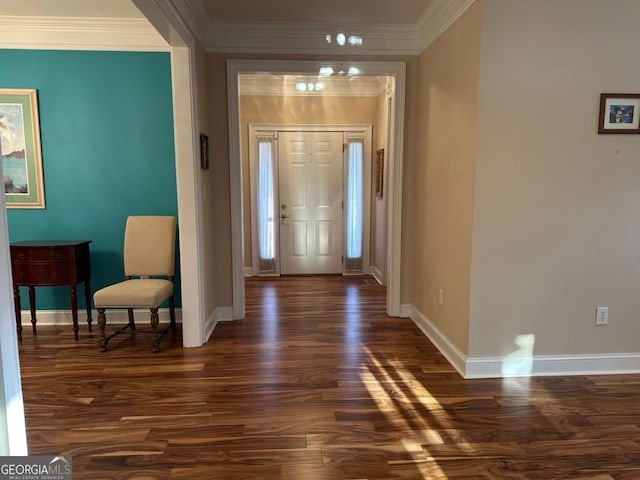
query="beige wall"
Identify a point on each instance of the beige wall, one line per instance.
(294, 110)
(378, 204)
(439, 176)
(556, 228)
(206, 180)
(219, 165)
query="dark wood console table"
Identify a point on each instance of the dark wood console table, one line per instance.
(50, 263)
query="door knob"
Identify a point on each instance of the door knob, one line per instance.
(283, 215)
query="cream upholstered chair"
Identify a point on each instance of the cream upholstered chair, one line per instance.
(149, 251)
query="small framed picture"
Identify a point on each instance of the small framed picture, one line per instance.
(619, 113)
(379, 172)
(204, 151)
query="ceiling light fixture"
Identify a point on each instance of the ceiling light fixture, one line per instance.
(309, 86)
(342, 39)
(326, 71)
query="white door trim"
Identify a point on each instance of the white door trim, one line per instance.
(255, 131)
(13, 432)
(396, 70)
(169, 23)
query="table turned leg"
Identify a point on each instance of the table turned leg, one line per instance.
(155, 321)
(74, 310)
(102, 323)
(16, 302)
(32, 307)
(87, 298)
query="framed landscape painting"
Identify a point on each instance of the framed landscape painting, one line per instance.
(20, 149)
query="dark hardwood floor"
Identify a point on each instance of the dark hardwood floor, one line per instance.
(316, 383)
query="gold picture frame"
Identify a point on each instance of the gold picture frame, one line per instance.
(20, 149)
(379, 172)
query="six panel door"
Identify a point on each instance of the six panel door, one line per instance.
(310, 189)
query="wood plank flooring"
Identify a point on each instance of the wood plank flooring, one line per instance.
(316, 383)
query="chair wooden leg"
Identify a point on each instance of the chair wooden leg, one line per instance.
(172, 314)
(102, 322)
(132, 322)
(155, 321)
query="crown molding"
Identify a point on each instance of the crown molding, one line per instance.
(334, 86)
(437, 18)
(194, 16)
(309, 38)
(79, 33)
(83, 33)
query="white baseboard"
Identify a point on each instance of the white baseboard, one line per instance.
(224, 314)
(455, 357)
(406, 310)
(248, 272)
(220, 314)
(210, 326)
(377, 274)
(553, 365)
(63, 317)
(120, 316)
(523, 366)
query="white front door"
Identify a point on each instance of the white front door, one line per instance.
(310, 184)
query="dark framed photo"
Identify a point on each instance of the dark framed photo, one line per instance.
(379, 172)
(204, 151)
(619, 113)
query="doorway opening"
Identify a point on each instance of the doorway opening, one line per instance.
(387, 205)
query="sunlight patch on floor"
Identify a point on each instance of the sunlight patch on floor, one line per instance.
(395, 397)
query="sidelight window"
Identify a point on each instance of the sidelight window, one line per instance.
(354, 206)
(266, 207)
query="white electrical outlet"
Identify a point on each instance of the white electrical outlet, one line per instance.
(441, 297)
(602, 316)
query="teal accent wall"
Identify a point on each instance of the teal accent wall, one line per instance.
(106, 127)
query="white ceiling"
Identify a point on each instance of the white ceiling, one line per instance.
(326, 11)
